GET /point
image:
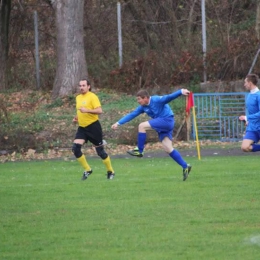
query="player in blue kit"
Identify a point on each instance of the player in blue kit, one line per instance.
(162, 121)
(252, 118)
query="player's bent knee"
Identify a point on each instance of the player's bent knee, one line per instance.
(245, 148)
(168, 150)
(76, 149)
(143, 126)
(101, 152)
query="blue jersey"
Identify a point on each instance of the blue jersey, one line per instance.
(157, 108)
(253, 111)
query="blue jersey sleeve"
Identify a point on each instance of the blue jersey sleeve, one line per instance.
(139, 110)
(253, 111)
(168, 98)
(158, 107)
(254, 107)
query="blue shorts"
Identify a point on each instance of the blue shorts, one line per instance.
(252, 135)
(163, 126)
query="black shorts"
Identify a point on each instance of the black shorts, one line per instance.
(92, 133)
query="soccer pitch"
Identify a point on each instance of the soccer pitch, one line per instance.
(146, 212)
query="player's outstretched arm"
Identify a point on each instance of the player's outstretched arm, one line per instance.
(242, 118)
(115, 125)
(185, 91)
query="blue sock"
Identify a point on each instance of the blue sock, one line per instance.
(141, 141)
(175, 155)
(256, 147)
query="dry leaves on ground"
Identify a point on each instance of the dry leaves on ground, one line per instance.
(66, 153)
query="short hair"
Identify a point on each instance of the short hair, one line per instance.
(143, 93)
(88, 82)
(252, 78)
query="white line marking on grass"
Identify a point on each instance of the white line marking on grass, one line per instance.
(253, 240)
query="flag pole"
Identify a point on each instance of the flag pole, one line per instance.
(189, 105)
(196, 132)
(187, 119)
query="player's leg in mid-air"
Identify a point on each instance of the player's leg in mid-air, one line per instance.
(164, 128)
(157, 124)
(141, 138)
(174, 154)
(250, 140)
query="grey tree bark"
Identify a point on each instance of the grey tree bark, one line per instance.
(5, 9)
(71, 62)
(257, 26)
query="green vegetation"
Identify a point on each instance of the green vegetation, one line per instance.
(56, 103)
(115, 102)
(35, 121)
(146, 212)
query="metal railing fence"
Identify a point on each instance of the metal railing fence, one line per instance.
(217, 116)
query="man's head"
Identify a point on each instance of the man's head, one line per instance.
(84, 86)
(143, 97)
(251, 81)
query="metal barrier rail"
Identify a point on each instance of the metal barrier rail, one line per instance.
(217, 116)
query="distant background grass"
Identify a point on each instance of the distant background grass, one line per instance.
(146, 212)
(32, 120)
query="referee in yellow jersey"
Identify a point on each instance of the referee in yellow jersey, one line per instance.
(89, 129)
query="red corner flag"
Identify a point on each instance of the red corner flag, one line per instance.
(190, 103)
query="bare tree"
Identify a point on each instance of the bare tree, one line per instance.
(71, 62)
(5, 8)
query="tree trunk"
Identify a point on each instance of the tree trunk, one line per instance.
(190, 20)
(71, 62)
(5, 9)
(139, 25)
(257, 27)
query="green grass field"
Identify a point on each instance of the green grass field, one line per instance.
(146, 212)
